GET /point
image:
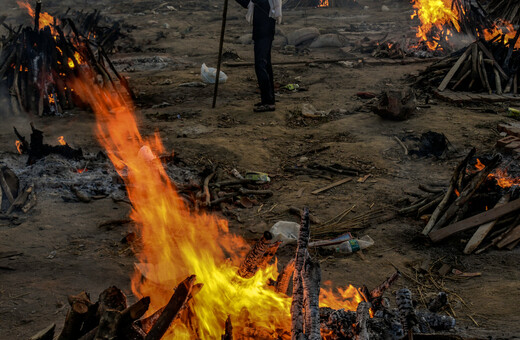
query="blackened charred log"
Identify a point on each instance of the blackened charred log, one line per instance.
(284, 278)
(250, 264)
(311, 279)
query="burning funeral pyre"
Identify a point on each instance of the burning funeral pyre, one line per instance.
(39, 63)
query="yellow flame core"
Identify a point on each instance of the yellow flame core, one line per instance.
(62, 141)
(433, 15)
(45, 18)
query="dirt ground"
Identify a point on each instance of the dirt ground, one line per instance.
(90, 258)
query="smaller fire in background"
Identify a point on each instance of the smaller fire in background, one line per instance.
(62, 141)
(324, 3)
(19, 146)
(502, 27)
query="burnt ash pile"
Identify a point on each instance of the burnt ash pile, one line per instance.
(39, 63)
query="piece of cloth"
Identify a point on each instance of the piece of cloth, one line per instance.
(264, 69)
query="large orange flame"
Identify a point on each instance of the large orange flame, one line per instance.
(435, 17)
(177, 242)
(504, 28)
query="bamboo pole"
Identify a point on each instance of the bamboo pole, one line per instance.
(222, 32)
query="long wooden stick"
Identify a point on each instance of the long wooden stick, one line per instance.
(440, 208)
(222, 33)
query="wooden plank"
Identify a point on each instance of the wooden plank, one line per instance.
(510, 238)
(483, 230)
(474, 221)
(489, 55)
(330, 186)
(454, 70)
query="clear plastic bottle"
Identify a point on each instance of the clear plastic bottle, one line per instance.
(353, 245)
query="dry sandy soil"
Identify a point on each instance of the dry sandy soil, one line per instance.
(90, 258)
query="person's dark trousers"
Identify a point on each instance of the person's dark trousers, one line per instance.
(264, 69)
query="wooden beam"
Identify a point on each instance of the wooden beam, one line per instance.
(454, 70)
(330, 186)
(474, 221)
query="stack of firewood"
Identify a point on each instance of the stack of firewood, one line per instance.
(490, 66)
(472, 199)
(39, 64)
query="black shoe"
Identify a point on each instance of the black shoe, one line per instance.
(264, 108)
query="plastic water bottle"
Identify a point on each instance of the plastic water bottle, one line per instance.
(353, 245)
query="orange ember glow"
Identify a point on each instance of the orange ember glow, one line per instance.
(177, 242)
(19, 146)
(348, 298)
(45, 18)
(324, 3)
(62, 141)
(457, 193)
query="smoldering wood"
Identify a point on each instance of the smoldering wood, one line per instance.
(6, 188)
(453, 182)
(249, 266)
(297, 300)
(380, 290)
(269, 254)
(284, 278)
(362, 315)
(403, 298)
(311, 279)
(20, 200)
(177, 301)
(108, 325)
(438, 302)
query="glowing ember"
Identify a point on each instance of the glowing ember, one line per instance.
(62, 141)
(19, 146)
(436, 17)
(324, 3)
(177, 242)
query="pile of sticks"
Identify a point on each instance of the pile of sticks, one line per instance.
(505, 10)
(490, 66)
(39, 64)
(457, 208)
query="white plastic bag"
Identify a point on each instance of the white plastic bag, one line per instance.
(209, 74)
(284, 231)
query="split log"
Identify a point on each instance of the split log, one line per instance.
(442, 205)
(454, 69)
(476, 220)
(297, 301)
(177, 301)
(79, 307)
(490, 56)
(468, 192)
(112, 298)
(250, 264)
(362, 315)
(484, 229)
(108, 325)
(498, 82)
(311, 278)
(135, 311)
(228, 330)
(284, 278)
(482, 73)
(45, 334)
(429, 206)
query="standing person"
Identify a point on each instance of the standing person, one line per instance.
(263, 14)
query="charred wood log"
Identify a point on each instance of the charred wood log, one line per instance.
(297, 301)
(269, 254)
(438, 302)
(406, 309)
(79, 307)
(362, 315)
(250, 264)
(311, 278)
